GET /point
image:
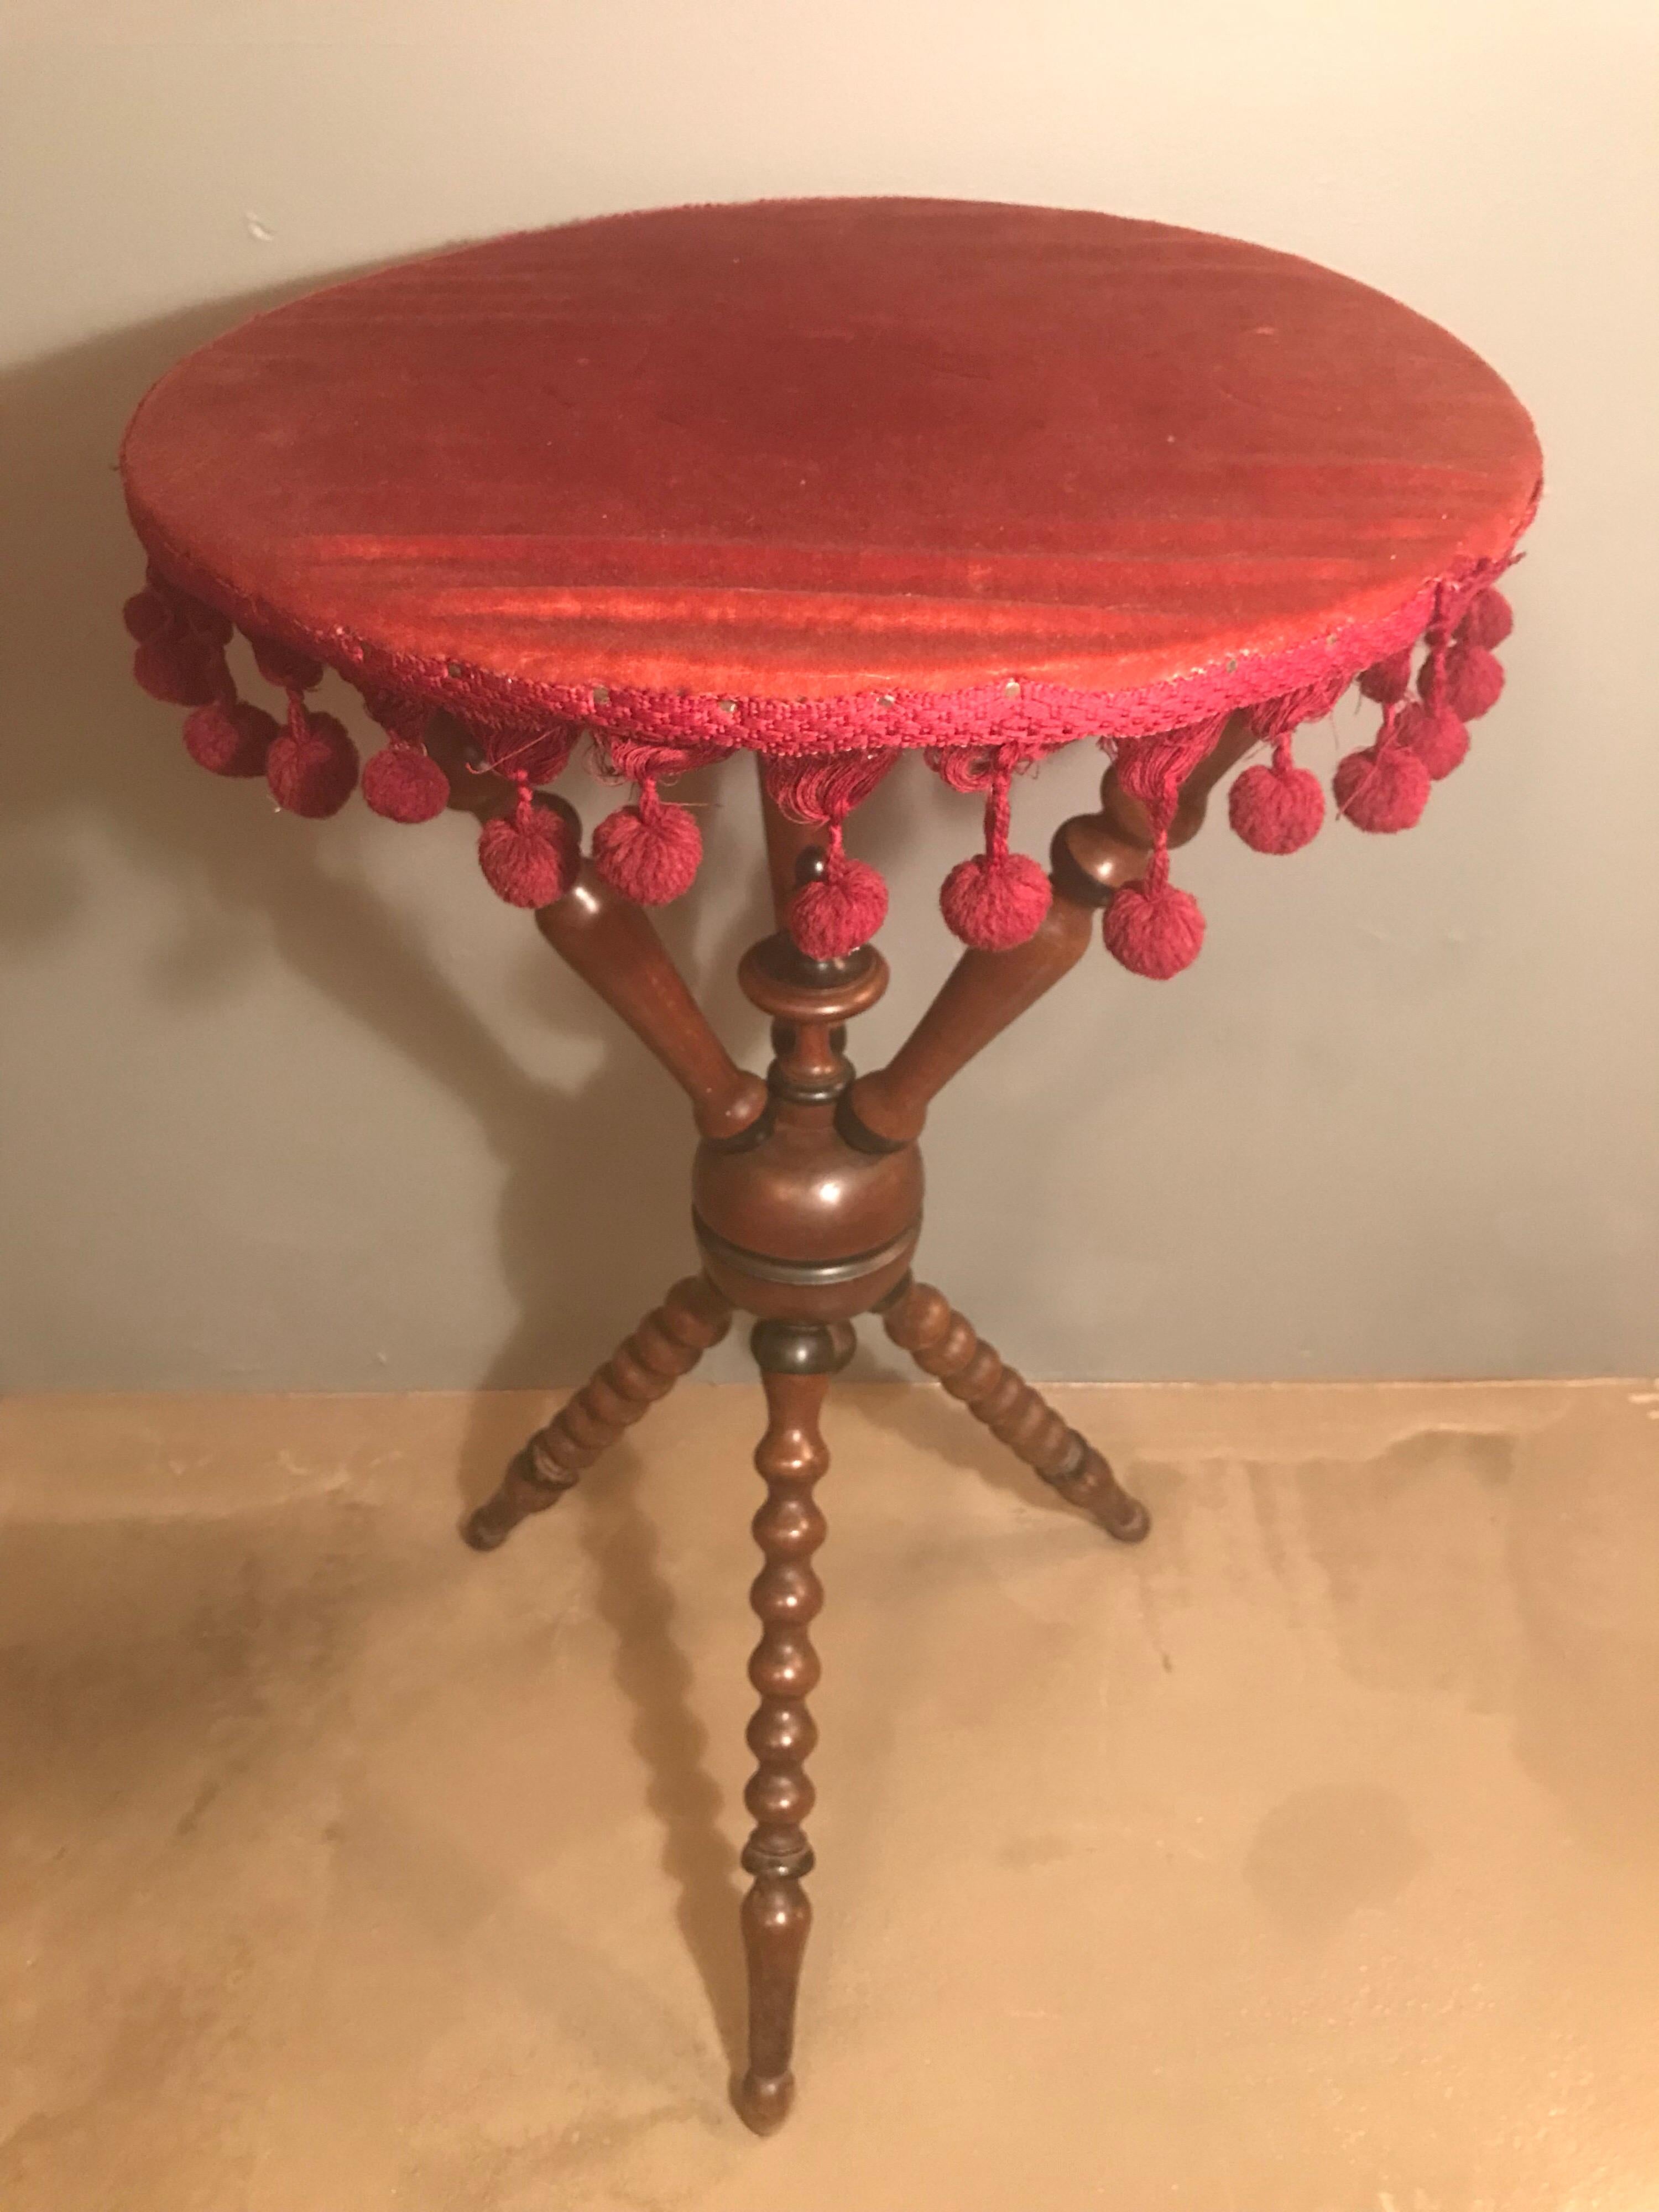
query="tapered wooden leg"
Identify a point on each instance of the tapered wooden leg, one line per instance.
(667, 1344)
(796, 1364)
(922, 1320)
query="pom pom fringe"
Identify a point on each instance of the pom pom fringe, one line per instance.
(1152, 928)
(312, 768)
(180, 656)
(404, 783)
(649, 852)
(1384, 788)
(1488, 619)
(1389, 682)
(540, 754)
(998, 899)
(1435, 734)
(825, 789)
(1278, 808)
(230, 740)
(843, 909)
(530, 857)
(281, 666)
(995, 901)
(1473, 679)
(1274, 718)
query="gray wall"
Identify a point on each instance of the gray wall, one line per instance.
(295, 1105)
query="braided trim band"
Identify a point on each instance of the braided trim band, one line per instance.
(1034, 718)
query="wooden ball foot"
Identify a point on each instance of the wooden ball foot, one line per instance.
(1089, 1483)
(483, 1531)
(1133, 1525)
(521, 1491)
(764, 2102)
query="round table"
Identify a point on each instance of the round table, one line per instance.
(828, 481)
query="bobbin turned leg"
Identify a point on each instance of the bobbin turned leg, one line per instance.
(796, 1362)
(667, 1344)
(922, 1321)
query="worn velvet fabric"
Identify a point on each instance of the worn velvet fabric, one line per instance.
(828, 479)
(823, 474)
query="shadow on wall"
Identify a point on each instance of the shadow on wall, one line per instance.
(592, 1221)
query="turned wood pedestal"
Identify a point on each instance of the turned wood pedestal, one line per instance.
(807, 1193)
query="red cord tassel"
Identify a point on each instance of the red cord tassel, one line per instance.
(312, 768)
(404, 783)
(1435, 734)
(1277, 807)
(230, 737)
(530, 857)
(650, 852)
(180, 645)
(401, 781)
(843, 909)
(1390, 679)
(1151, 926)
(998, 898)
(1384, 786)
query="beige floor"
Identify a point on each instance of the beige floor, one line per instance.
(1305, 1860)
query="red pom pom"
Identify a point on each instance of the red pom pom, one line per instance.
(230, 740)
(281, 666)
(1384, 788)
(181, 670)
(649, 853)
(205, 621)
(843, 909)
(145, 615)
(1277, 808)
(529, 857)
(1153, 928)
(1435, 734)
(312, 768)
(404, 784)
(1474, 677)
(995, 900)
(1488, 620)
(1389, 679)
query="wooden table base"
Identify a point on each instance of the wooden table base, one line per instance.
(807, 1195)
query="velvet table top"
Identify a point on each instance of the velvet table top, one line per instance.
(827, 479)
(804, 453)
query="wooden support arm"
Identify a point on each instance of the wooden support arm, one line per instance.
(612, 944)
(983, 993)
(1094, 855)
